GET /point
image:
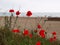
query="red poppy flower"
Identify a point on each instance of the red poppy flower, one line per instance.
(54, 33)
(30, 35)
(51, 39)
(42, 33)
(16, 30)
(38, 43)
(29, 13)
(26, 32)
(17, 13)
(11, 10)
(39, 26)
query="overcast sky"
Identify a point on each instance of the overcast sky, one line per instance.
(33, 5)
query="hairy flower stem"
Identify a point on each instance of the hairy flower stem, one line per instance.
(10, 20)
(15, 22)
(6, 22)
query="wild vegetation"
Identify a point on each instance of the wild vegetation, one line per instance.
(11, 36)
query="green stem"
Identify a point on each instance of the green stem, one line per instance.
(15, 22)
(10, 20)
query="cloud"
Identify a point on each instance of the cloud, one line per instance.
(33, 5)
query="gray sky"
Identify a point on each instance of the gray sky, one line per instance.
(33, 5)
